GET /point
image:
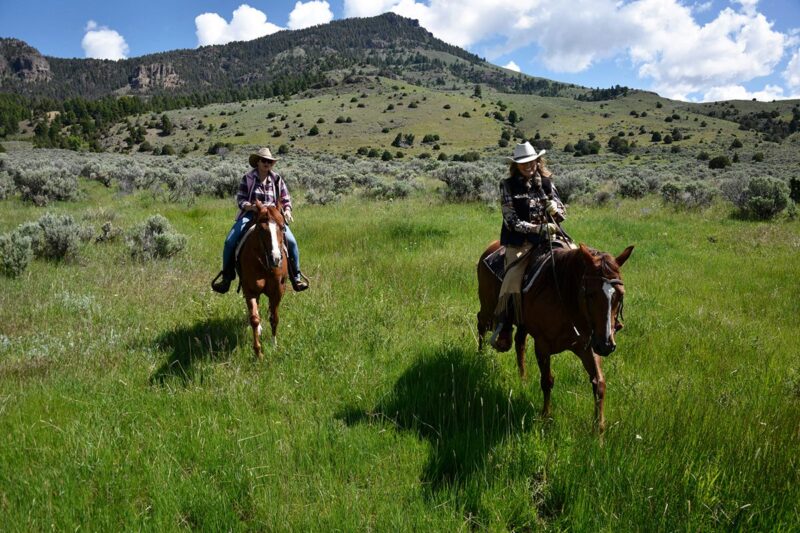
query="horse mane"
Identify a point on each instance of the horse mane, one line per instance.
(571, 266)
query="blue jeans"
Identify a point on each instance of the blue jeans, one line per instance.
(228, 266)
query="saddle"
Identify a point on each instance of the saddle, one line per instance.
(540, 256)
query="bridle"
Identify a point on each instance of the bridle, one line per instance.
(263, 236)
(614, 283)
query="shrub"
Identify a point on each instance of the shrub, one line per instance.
(632, 187)
(691, 195)
(763, 198)
(584, 147)
(15, 254)
(618, 145)
(315, 197)
(655, 137)
(6, 185)
(283, 149)
(721, 161)
(572, 184)
(154, 238)
(59, 237)
(703, 156)
(736, 144)
(794, 189)
(398, 189)
(465, 183)
(44, 185)
(758, 157)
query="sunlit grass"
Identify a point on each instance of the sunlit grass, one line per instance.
(129, 397)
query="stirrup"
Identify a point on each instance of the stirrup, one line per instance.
(221, 285)
(497, 336)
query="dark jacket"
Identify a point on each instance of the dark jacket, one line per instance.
(523, 206)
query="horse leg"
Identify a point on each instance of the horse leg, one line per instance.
(520, 338)
(273, 321)
(546, 378)
(592, 364)
(255, 323)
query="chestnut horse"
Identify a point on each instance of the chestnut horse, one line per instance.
(263, 270)
(575, 304)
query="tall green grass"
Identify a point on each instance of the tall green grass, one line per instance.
(129, 397)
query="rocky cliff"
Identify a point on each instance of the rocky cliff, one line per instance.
(154, 76)
(21, 61)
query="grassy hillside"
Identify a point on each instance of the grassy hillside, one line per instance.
(372, 112)
(129, 398)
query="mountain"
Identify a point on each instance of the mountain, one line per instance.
(282, 63)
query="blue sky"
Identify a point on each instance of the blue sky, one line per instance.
(689, 50)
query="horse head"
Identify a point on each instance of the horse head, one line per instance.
(270, 222)
(602, 293)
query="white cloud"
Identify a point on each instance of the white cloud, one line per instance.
(792, 72)
(367, 8)
(748, 6)
(309, 14)
(661, 38)
(247, 23)
(737, 92)
(702, 8)
(512, 66)
(688, 58)
(100, 42)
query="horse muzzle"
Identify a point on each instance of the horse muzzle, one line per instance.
(604, 348)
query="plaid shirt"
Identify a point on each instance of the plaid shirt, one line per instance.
(251, 188)
(538, 201)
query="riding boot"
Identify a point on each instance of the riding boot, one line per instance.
(299, 281)
(222, 283)
(501, 336)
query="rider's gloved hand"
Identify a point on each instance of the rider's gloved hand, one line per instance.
(548, 230)
(552, 208)
(287, 216)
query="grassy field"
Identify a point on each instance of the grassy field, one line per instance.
(129, 398)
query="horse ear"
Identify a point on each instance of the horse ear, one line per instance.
(587, 254)
(626, 253)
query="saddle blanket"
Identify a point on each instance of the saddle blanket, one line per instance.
(496, 263)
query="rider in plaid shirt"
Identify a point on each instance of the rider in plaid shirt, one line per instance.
(260, 184)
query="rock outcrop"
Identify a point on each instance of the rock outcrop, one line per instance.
(18, 60)
(154, 76)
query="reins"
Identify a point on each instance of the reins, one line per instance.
(584, 277)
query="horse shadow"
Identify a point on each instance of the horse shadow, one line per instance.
(209, 340)
(451, 397)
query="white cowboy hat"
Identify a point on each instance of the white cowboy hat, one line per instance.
(525, 152)
(262, 153)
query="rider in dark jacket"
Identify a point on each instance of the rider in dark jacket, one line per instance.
(531, 209)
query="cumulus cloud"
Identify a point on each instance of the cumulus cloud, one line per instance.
(367, 8)
(737, 92)
(309, 14)
(660, 38)
(100, 42)
(732, 48)
(247, 23)
(792, 72)
(512, 66)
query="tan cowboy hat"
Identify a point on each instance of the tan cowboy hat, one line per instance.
(262, 152)
(525, 152)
